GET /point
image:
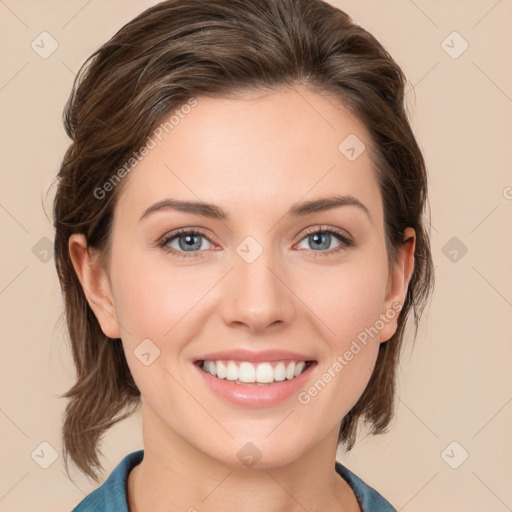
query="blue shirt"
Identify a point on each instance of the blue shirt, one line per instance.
(111, 495)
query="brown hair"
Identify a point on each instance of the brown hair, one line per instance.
(180, 49)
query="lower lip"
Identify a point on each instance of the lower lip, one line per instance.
(248, 395)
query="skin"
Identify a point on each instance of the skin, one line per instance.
(254, 156)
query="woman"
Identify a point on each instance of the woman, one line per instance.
(239, 240)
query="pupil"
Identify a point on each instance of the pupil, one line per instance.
(317, 237)
(189, 241)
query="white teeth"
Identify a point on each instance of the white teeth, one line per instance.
(246, 373)
(263, 373)
(299, 368)
(290, 371)
(221, 369)
(232, 371)
(280, 372)
(212, 367)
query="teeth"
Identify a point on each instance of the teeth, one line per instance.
(263, 373)
(232, 371)
(219, 366)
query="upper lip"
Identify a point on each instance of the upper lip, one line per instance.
(250, 356)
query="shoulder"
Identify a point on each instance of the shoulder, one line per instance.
(111, 495)
(369, 499)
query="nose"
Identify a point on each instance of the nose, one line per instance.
(257, 296)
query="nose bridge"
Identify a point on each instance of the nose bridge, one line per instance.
(257, 295)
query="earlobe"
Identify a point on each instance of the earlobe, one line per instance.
(398, 284)
(95, 284)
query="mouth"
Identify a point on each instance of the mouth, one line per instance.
(228, 384)
(262, 374)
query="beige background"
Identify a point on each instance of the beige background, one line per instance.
(456, 383)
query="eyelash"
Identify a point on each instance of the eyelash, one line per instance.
(346, 242)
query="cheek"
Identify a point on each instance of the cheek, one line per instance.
(151, 297)
(350, 309)
(349, 299)
(165, 305)
(157, 303)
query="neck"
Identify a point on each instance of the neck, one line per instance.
(174, 475)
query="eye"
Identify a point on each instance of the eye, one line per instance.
(321, 239)
(189, 242)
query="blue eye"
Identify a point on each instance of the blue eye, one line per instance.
(190, 242)
(321, 239)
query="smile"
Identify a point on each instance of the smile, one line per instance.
(245, 372)
(251, 385)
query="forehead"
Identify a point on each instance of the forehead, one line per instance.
(255, 154)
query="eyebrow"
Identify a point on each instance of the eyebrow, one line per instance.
(216, 212)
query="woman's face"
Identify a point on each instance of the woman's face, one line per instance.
(257, 278)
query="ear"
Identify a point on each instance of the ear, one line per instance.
(398, 283)
(95, 283)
